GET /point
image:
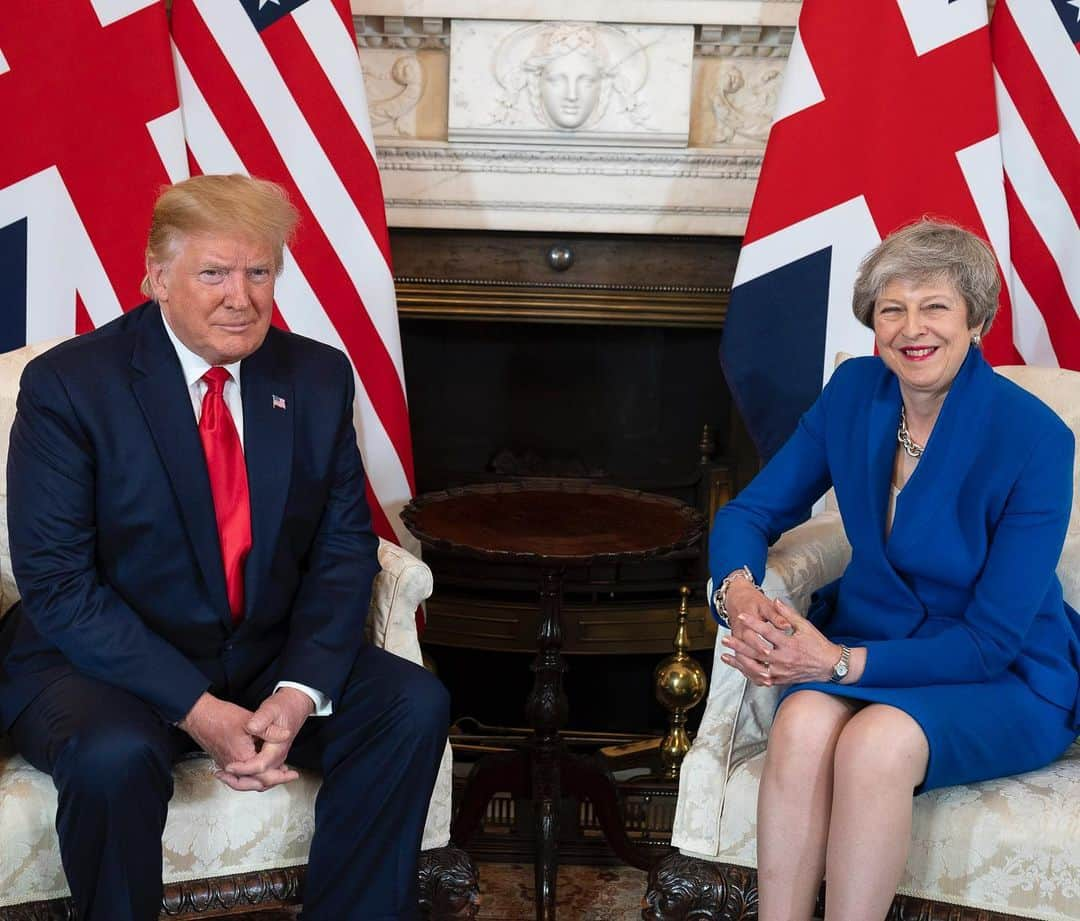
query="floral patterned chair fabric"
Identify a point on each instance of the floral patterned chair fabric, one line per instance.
(211, 831)
(1009, 846)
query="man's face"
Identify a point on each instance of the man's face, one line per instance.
(217, 294)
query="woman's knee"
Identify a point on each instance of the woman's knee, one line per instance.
(882, 745)
(809, 721)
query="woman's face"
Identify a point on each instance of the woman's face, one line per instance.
(570, 89)
(922, 333)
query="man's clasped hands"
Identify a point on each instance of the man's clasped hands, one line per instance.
(249, 748)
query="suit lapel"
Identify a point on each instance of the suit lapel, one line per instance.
(158, 385)
(881, 446)
(268, 450)
(950, 452)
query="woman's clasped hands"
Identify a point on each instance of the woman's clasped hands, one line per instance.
(771, 643)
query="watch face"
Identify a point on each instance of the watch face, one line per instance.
(841, 669)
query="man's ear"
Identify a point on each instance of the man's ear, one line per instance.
(156, 275)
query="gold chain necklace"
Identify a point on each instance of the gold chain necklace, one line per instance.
(913, 448)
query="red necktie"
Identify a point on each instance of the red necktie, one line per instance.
(228, 484)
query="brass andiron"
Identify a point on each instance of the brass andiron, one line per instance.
(680, 686)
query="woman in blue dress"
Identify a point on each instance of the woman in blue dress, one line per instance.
(945, 654)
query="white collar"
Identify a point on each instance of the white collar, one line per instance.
(192, 365)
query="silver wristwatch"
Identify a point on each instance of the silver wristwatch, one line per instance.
(840, 669)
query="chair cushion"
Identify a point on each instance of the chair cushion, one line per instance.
(211, 830)
(1007, 845)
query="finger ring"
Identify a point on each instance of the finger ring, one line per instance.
(768, 666)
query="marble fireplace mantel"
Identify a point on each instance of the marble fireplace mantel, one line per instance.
(663, 132)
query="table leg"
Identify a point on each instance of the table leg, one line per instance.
(546, 710)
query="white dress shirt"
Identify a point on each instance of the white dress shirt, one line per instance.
(194, 368)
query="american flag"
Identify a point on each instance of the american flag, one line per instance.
(267, 87)
(274, 88)
(891, 110)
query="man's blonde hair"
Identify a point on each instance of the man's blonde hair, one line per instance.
(232, 205)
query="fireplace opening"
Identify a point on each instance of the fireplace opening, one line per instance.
(625, 405)
(607, 372)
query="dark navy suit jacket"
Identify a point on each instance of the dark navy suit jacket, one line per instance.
(964, 585)
(113, 538)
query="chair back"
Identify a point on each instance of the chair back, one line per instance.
(1060, 390)
(11, 368)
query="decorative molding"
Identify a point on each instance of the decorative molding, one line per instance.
(550, 303)
(476, 158)
(402, 32)
(567, 208)
(570, 83)
(744, 41)
(764, 12)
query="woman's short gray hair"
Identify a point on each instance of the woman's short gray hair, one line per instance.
(927, 250)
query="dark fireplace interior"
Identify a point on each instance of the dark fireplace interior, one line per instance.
(624, 404)
(607, 370)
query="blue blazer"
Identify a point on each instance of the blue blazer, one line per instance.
(964, 587)
(113, 537)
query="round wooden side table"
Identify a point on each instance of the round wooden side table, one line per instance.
(550, 526)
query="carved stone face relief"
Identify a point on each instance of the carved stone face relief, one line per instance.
(570, 88)
(570, 82)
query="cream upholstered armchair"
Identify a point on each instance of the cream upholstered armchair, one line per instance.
(1000, 850)
(223, 850)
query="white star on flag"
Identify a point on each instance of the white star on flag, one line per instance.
(263, 3)
(1076, 3)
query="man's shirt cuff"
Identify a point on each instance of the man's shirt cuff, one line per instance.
(323, 706)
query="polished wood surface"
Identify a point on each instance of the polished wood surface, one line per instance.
(574, 522)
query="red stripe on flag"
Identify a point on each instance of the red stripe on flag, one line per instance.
(338, 137)
(314, 253)
(1036, 104)
(1041, 276)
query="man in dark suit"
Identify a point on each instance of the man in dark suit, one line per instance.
(193, 548)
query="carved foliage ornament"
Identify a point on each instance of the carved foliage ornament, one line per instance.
(743, 102)
(393, 94)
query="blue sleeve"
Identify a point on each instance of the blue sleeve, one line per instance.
(778, 498)
(52, 528)
(1015, 579)
(326, 625)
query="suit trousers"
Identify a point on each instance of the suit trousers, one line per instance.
(110, 756)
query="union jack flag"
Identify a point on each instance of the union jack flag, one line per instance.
(108, 110)
(91, 116)
(891, 110)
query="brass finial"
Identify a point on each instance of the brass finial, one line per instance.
(680, 686)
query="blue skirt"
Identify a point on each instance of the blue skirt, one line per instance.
(975, 731)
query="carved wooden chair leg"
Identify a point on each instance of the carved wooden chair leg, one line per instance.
(687, 889)
(449, 885)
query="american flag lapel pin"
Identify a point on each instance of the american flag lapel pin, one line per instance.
(278, 402)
